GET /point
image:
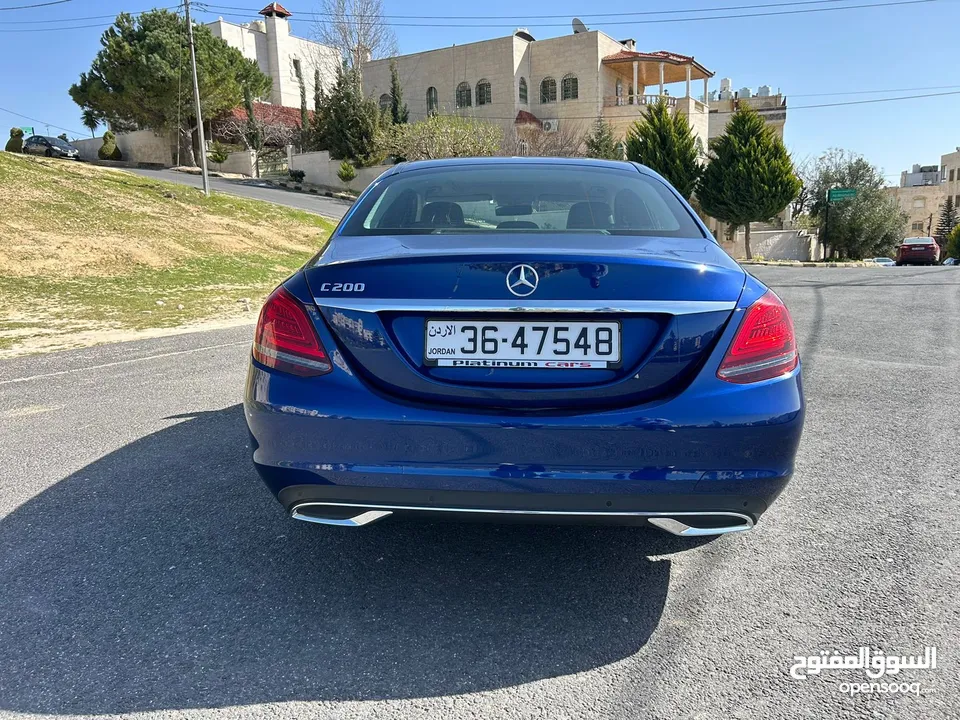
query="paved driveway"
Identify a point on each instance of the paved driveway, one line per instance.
(145, 569)
(329, 207)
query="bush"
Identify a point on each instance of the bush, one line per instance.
(109, 149)
(15, 143)
(297, 175)
(953, 243)
(218, 153)
(442, 136)
(346, 173)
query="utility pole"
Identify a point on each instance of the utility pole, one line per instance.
(930, 225)
(196, 101)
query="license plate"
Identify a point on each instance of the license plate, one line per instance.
(527, 344)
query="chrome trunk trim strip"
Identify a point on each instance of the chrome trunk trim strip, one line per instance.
(436, 307)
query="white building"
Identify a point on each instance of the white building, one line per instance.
(285, 58)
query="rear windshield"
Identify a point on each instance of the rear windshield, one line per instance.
(511, 198)
(919, 241)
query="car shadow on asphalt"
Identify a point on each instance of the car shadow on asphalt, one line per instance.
(164, 576)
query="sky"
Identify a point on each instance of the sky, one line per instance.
(814, 58)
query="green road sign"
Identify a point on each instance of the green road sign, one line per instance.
(841, 194)
(27, 130)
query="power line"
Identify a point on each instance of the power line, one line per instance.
(794, 107)
(82, 19)
(28, 7)
(628, 22)
(873, 92)
(524, 18)
(31, 119)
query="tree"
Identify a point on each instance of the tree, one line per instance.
(803, 200)
(867, 225)
(304, 113)
(63, 136)
(90, 121)
(443, 136)
(666, 144)
(357, 29)
(262, 129)
(319, 112)
(750, 177)
(354, 128)
(399, 113)
(948, 221)
(601, 143)
(530, 139)
(140, 78)
(15, 143)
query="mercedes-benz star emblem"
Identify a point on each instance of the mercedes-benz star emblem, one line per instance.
(522, 280)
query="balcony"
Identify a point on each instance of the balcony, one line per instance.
(621, 100)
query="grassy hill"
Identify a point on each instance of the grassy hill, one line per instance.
(90, 254)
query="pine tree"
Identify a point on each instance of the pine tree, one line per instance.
(399, 113)
(948, 221)
(304, 113)
(319, 112)
(666, 145)
(354, 127)
(749, 177)
(601, 143)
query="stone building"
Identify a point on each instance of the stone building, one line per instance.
(285, 58)
(559, 84)
(771, 106)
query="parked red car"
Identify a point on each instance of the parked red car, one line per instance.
(918, 251)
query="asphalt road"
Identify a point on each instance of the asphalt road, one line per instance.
(145, 569)
(255, 190)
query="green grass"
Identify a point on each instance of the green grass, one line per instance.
(85, 250)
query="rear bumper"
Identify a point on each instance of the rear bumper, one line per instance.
(716, 448)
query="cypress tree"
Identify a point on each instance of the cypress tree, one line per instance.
(398, 109)
(750, 177)
(666, 144)
(601, 143)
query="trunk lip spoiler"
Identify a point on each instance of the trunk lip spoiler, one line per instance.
(437, 306)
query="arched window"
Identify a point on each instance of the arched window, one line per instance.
(384, 102)
(432, 104)
(548, 90)
(463, 95)
(523, 90)
(569, 88)
(484, 93)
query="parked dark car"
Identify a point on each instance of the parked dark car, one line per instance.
(51, 147)
(918, 251)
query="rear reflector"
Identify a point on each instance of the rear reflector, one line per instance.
(764, 346)
(285, 338)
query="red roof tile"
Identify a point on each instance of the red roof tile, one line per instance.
(277, 9)
(526, 118)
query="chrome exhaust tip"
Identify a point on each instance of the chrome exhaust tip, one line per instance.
(726, 523)
(326, 515)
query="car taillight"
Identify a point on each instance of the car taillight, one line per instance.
(285, 338)
(765, 345)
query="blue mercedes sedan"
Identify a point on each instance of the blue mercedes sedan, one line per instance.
(531, 339)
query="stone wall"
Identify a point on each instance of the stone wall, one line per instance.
(140, 146)
(320, 170)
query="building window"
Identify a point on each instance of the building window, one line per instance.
(385, 102)
(463, 95)
(956, 202)
(951, 175)
(297, 72)
(523, 90)
(522, 148)
(569, 88)
(548, 90)
(917, 226)
(484, 93)
(432, 103)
